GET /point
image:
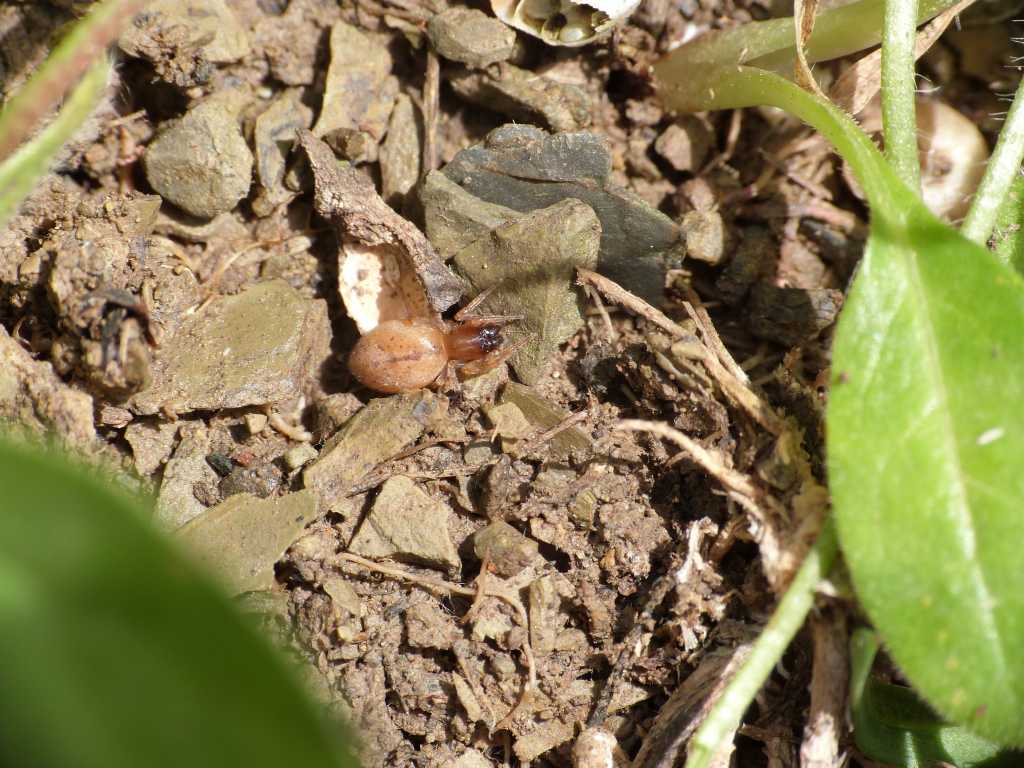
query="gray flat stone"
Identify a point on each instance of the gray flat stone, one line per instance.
(400, 153)
(471, 37)
(454, 217)
(376, 433)
(151, 443)
(360, 90)
(524, 168)
(264, 345)
(531, 265)
(176, 502)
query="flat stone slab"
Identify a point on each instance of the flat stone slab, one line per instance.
(382, 429)
(406, 523)
(530, 264)
(241, 538)
(264, 345)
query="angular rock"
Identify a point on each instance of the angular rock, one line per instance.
(273, 137)
(299, 456)
(292, 41)
(360, 90)
(264, 345)
(151, 442)
(546, 736)
(407, 524)
(569, 443)
(376, 433)
(455, 218)
(200, 162)
(524, 96)
(531, 265)
(509, 423)
(472, 758)
(400, 154)
(241, 538)
(791, 316)
(524, 168)
(176, 502)
(707, 235)
(685, 144)
(505, 549)
(32, 397)
(471, 37)
(428, 626)
(353, 145)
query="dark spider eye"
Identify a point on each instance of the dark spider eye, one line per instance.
(489, 338)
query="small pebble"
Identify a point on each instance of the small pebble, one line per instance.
(255, 422)
(299, 456)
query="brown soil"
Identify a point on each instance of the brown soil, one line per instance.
(619, 573)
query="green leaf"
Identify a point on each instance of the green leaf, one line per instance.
(925, 428)
(115, 653)
(892, 725)
(926, 434)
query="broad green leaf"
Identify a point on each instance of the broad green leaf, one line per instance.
(892, 725)
(925, 440)
(115, 653)
(925, 428)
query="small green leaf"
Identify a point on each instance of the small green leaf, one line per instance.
(893, 726)
(926, 433)
(115, 653)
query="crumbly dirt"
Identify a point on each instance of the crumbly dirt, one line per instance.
(492, 570)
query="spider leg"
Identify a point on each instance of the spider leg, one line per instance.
(448, 380)
(476, 302)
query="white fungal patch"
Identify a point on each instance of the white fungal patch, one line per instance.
(564, 22)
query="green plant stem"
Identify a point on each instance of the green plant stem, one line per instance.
(768, 649)
(899, 118)
(1003, 166)
(20, 172)
(76, 52)
(731, 87)
(769, 44)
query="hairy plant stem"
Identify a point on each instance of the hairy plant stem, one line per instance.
(1003, 167)
(21, 171)
(77, 51)
(789, 616)
(899, 118)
